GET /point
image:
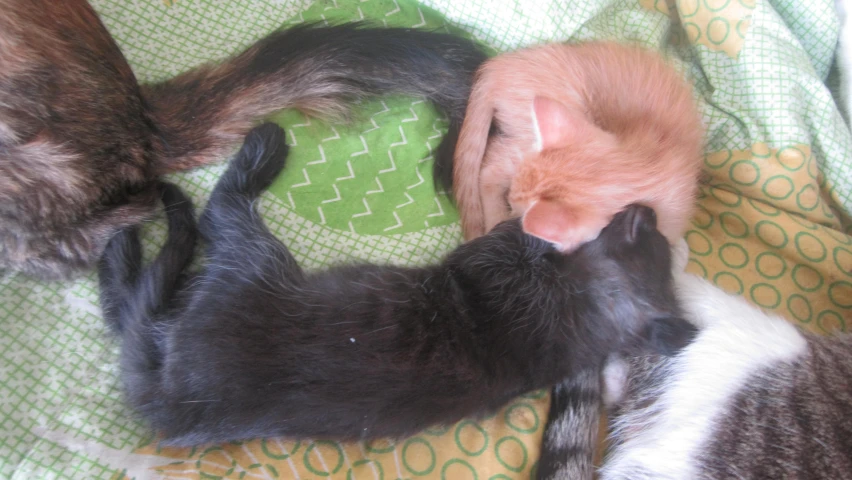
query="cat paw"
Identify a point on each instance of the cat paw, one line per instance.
(267, 153)
(259, 161)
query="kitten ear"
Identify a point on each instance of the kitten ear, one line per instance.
(548, 220)
(554, 123)
(565, 226)
(557, 126)
(669, 335)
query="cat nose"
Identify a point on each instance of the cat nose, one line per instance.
(637, 219)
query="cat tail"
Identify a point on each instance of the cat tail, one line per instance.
(571, 433)
(131, 294)
(467, 161)
(201, 114)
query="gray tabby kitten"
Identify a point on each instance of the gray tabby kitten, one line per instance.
(751, 397)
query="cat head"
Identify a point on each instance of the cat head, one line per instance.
(630, 263)
(612, 288)
(563, 201)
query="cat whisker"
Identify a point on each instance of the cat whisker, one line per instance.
(380, 329)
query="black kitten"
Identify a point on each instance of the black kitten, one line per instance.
(255, 347)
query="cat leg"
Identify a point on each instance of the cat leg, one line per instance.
(571, 432)
(128, 291)
(133, 299)
(238, 237)
(149, 303)
(118, 270)
(230, 210)
(159, 282)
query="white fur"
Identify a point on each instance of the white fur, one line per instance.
(614, 380)
(7, 135)
(538, 143)
(680, 257)
(563, 431)
(737, 340)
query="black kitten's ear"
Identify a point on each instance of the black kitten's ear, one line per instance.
(640, 218)
(630, 222)
(668, 335)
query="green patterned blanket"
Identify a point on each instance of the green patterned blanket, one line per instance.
(772, 223)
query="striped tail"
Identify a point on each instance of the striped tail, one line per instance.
(571, 433)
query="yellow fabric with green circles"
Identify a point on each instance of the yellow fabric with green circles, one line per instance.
(768, 229)
(772, 222)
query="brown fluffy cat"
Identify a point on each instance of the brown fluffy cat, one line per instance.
(577, 132)
(81, 142)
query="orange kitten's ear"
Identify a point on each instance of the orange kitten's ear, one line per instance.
(548, 220)
(554, 123)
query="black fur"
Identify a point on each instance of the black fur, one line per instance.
(255, 347)
(668, 336)
(571, 431)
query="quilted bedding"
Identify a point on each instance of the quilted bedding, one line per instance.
(772, 223)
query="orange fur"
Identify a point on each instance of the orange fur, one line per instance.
(583, 130)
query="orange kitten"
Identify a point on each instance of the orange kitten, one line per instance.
(580, 132)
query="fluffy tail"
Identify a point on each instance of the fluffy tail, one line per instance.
(467, 161)
(571, 433)
(201, 114)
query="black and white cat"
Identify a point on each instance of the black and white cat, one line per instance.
(751, 397)
(252, 346)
